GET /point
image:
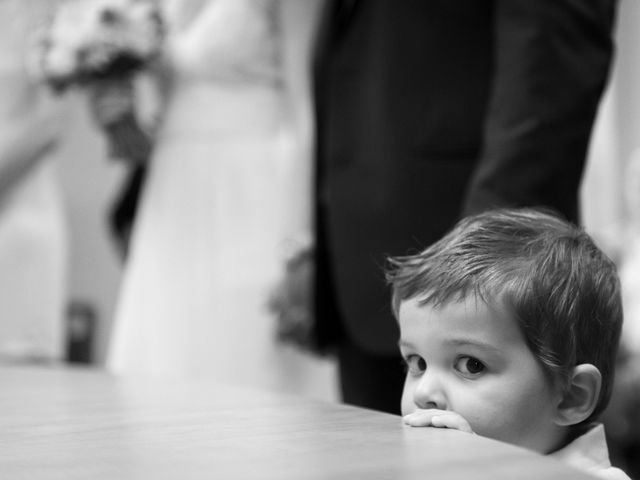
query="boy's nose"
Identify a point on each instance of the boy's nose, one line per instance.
(429, 392)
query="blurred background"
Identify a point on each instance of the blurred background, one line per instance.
(90, 181)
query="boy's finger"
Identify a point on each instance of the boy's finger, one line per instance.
(451, 420)
(422, 418)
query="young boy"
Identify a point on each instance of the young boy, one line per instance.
(509, 328)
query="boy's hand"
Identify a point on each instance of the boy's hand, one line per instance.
(437, 418)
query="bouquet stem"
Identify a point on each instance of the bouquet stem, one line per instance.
(126, 140)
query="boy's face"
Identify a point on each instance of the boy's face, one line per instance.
(463, 358)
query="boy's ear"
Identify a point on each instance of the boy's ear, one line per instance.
(581, 397)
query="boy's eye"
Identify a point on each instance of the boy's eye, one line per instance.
(416, 364)
(469, 366)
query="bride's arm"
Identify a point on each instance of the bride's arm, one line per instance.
(298, 21)
(159, 86)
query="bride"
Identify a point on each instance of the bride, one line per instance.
(227, 189)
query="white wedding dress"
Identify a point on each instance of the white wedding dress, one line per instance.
(206, 247)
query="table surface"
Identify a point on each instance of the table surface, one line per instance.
(59, 423)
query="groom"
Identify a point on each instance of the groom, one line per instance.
(428, 111)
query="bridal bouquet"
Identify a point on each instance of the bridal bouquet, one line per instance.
(100, 45)
(93, 40)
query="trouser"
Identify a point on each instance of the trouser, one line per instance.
(368, 380)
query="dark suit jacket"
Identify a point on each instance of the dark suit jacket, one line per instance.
(428, 110)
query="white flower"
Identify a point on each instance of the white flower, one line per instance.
(87, 39)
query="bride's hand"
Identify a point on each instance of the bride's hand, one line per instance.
(292, 301)
(113, 107)
(110, 101)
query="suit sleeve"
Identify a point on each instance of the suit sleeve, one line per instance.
(552, 60)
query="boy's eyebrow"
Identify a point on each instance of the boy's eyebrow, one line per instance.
(458, 342)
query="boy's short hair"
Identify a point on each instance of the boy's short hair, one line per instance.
(563, 291)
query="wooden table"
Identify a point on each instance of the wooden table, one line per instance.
(78, 424)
